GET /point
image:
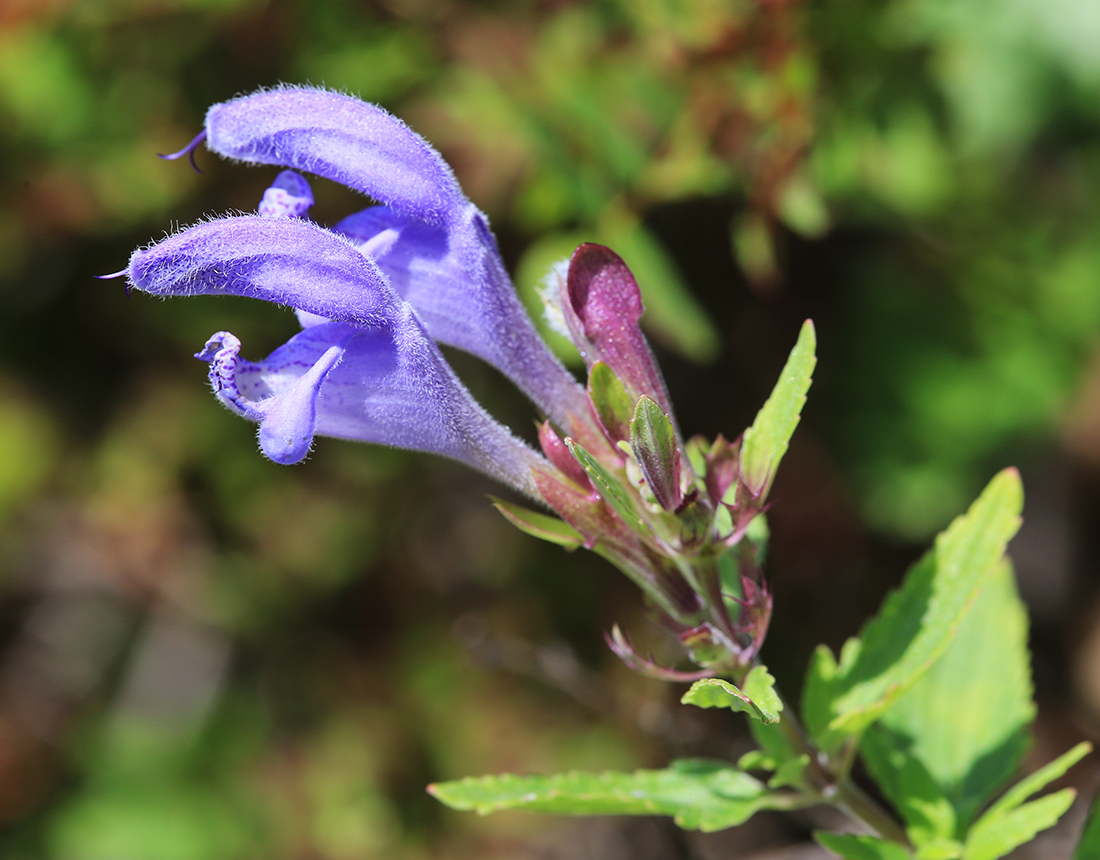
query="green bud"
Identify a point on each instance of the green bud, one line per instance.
(610, 401)
(653, 440)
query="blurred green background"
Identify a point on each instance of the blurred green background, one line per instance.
(205, 656)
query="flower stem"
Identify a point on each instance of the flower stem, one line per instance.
(838, 789)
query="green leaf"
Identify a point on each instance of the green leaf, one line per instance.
(906, 782)
(818, 690)
(1089, 846)
(754, 247)
(653, 441)
(539, 525)
(995, 835)
(940, 848)
(775, 747)
(700, 795)
(610, 400)
(759, 685)
(791, 772)
(776, 753)
(1032, 783)
(959, 733)
(766, 441)
(918, 621)
(1010, 822)
(696, 449)
(853, 847)
(765, 705)
(609, 487)
(716, 693)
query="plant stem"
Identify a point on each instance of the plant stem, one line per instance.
(859, 805)
(836, 789)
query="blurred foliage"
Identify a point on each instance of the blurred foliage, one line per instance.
(205, 655)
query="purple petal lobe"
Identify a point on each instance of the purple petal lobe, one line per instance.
(286, 432)
(284, 404)
(288, 261)
(288, 197)
(340, 138)
(388, 385)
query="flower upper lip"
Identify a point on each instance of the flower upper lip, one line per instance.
(288, 261)
(422, 267)
(341, 138)
(450, 269)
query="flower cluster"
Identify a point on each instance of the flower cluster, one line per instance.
(376, 292)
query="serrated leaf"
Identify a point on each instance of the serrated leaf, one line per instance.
(959, 732)
(716, 693)
(608, 486)
(700, 795)
(854, 847)
(1034, 782)
(539, 525)
(918, 621)
(765, 442)
(759, 685)
(608, 396)
(994, 836)
(653, 441)
(1010, 822)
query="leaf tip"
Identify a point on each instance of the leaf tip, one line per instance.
(807, 339)
(1009, 487)
(1009, 477)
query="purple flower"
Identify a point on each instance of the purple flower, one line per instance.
(374, 293)
(440, 255)
(379, 290)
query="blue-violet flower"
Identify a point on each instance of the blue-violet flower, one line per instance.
(376, 292)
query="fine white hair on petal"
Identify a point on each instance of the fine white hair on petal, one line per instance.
(287, 261)
(339, 137)
(427, 244)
